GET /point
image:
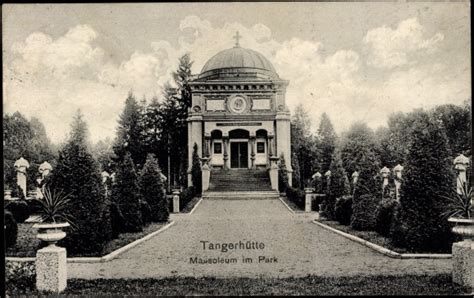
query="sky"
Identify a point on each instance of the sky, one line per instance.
(353, 61)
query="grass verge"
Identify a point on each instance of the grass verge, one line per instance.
(310, 285)
(27, 244)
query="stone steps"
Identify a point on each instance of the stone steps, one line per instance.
(239, 180)
(240, 195)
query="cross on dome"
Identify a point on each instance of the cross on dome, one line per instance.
(237, 36)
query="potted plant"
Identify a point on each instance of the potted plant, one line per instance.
(54, 216)
(460, 212)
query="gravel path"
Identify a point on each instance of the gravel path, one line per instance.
(298, 246)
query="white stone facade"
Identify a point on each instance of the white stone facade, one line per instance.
(239, 117)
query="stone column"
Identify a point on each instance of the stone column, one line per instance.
(252, 152)
(384, 172)
(20, 166)
(460, 165)
(398, 180)
(283, 140)
(270, 146)
(207, 147)
(308, 199)
(175, 201)
(225, 141)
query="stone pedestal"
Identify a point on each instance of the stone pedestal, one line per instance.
(175, 202)
(274, 176)
(51, 269)
(206, 175)
(308, 199)
(463, 264)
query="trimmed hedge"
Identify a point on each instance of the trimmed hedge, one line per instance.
(152, 192)
(19, 209)
(11, 229)
(343, 210)
(364, 212)
(297, 196)
(384, 216)
(147, 214)
(186, 196)
(117, 220)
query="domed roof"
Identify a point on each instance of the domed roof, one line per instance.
(238, 62)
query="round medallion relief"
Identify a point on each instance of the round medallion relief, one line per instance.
(197, 109)
(238, 104)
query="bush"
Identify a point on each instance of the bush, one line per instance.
(427, 178)
(196, 173)
(364, 212)
(147, 214)
(151, 189)
(384, 216)
(116, 220)
(126, 194)
(77, 175)
(19, 209)
(343, 210)
(282, 174)
(11, 229)
(297, 196)
(339, 185)
(20, 277)
(186, 196)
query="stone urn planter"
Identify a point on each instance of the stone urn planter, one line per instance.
(464, 227)
(51, 233)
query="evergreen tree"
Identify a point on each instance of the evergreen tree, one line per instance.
(196, 174)
(358, 147)
(130, 132)
(296, 177)
(327, 142)
(338, 186)
(152, 189)
(359, 153)
(282, 174)
(428, 176)
(303, 146)
(126, 194)
(25, 138)
(77, 174)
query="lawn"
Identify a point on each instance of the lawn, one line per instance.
(310, 285)
(27, 243)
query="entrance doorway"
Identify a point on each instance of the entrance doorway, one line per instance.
(239, 155)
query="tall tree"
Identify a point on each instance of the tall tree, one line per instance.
(28, 139)
(428, 176)
(151, 189)
(456, 121)
(303, 145)
(130, 132)
(327, 143)
(77, 174)
(358, 147)
(126, 194)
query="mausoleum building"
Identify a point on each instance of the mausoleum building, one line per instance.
(239, 118)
